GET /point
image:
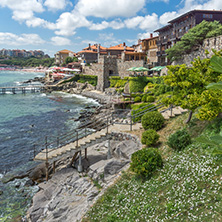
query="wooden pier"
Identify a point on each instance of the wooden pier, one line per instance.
(21, 89)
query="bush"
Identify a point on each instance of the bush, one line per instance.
(150, 137)
(144, 98)
(138, 108)
(137, 99)
(117, 82)
(179, 140)
(152, 120)
(91, 79)
(150, 99)
(137, 84)
(146, 161)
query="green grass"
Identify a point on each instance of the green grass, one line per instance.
(188, 188)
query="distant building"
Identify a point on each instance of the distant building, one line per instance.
(60, 56)
(149, 47)
(172, 33)
(91, 53)
(21, 53)
(118, 49)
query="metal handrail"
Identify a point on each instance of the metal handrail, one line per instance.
(104, 121)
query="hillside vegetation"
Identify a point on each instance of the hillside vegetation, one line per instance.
(187, 188)
(194, 38)
(28, 62)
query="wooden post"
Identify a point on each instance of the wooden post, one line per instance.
(131, 121)
(109, 151)
(171, 110)
(86, 153)
(46, 162)
(80, 162)
(77, 139)
(107, 122)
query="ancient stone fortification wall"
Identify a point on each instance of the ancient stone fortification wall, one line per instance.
(208, 44)
(110, 66)
(123, 66)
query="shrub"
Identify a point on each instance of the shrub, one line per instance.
(150, 137)
(148, 87)
(113, 80)
(137, 84)
(146, 161)
(144, 98)
(137, 109)
(91, 79)
(179, 140)
(150, 99)
(137, 99)
(152, 120)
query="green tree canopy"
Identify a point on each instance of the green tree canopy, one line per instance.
(68, 60)
(189, 88)
(194, 38)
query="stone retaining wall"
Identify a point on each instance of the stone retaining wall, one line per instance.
(208, 44)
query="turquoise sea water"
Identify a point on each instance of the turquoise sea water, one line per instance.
(26, 120)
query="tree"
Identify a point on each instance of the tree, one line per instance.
(189, 88)
(194, 38)
(68, 60)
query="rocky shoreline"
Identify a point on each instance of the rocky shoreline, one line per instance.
(68, 194)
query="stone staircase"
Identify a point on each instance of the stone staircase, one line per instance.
(90, 140)
(175, 112)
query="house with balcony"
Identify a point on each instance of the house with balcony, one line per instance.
(149, 47)
(91, 53)
(174, 31)
(60, 56)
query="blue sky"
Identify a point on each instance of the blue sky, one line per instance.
(53, 25)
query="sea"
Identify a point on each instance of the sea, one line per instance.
(26, 119)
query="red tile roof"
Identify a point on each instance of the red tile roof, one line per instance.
(65, 51)
(87, 51)
(120, 47)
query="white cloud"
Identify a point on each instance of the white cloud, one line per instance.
(68, 22)
(117, 24)
(54, 5)
(57, 40)
(145, 35)
(7, 38)
(23, 9)
(150, 22)
(99, 26)
(108, 39)
(109, 8)
(134, 22)
(166, 17)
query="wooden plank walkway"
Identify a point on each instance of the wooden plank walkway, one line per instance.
(21, 89)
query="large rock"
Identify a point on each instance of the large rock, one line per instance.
(114, 167)
(38, 173)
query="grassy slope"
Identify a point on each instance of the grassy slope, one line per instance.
(188, 188)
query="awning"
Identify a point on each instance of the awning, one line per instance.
(131, 69)
(157, 68)
(141, 69)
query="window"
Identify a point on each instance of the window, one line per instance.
(208, 16)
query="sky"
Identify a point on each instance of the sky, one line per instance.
(54, 25)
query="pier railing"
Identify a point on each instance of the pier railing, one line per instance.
(21, 89)
(90, 126)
